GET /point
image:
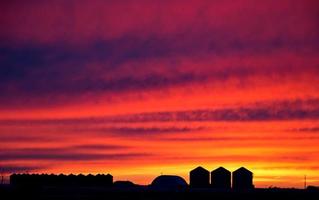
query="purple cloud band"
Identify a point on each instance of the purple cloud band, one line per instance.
(297, 109)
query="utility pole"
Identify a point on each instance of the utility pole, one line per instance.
(305, 183)
(2, 177)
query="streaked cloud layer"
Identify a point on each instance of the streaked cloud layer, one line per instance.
(94, 86)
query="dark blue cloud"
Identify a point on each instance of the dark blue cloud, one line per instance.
(70, 157)
(297, 109)
(138, 132)
(64, 154)
(31, 74)
(99, 147)
(6, 169)
(5, 137)
(53, 56)
(261, 111)
(20, 62)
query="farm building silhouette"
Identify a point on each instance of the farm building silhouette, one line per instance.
(30, 180)
(221, 178)
(123, 184)
(199, 178)
(168, 182)
(242, 179)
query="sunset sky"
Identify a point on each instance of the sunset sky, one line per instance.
(143, 88)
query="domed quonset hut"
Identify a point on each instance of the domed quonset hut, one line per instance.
(199, 178)
(169, 182)
(220, 178)
(242, 179)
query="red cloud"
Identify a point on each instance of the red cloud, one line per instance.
(80, 22)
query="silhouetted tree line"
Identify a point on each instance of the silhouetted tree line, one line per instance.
(61, 180)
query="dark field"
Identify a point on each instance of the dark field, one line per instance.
(69, 193)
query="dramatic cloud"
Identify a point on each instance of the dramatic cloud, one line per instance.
(306, 129)
(71, 21)
(36, 74)
(234, 139)
(297, 109)
(26, 138)
(8, 169)
(62, 154)
(139, 132)
(75, 50)
(261, 111)
(99, 147)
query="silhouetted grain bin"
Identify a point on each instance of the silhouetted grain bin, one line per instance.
(168, 182)
(242, 179)
(220, 178)
(199, 177)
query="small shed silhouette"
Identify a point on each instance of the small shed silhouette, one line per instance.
(242, 179)
(123, 184)
(220, 178)
(199, 177)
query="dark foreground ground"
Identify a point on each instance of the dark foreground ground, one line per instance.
(69, 193)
